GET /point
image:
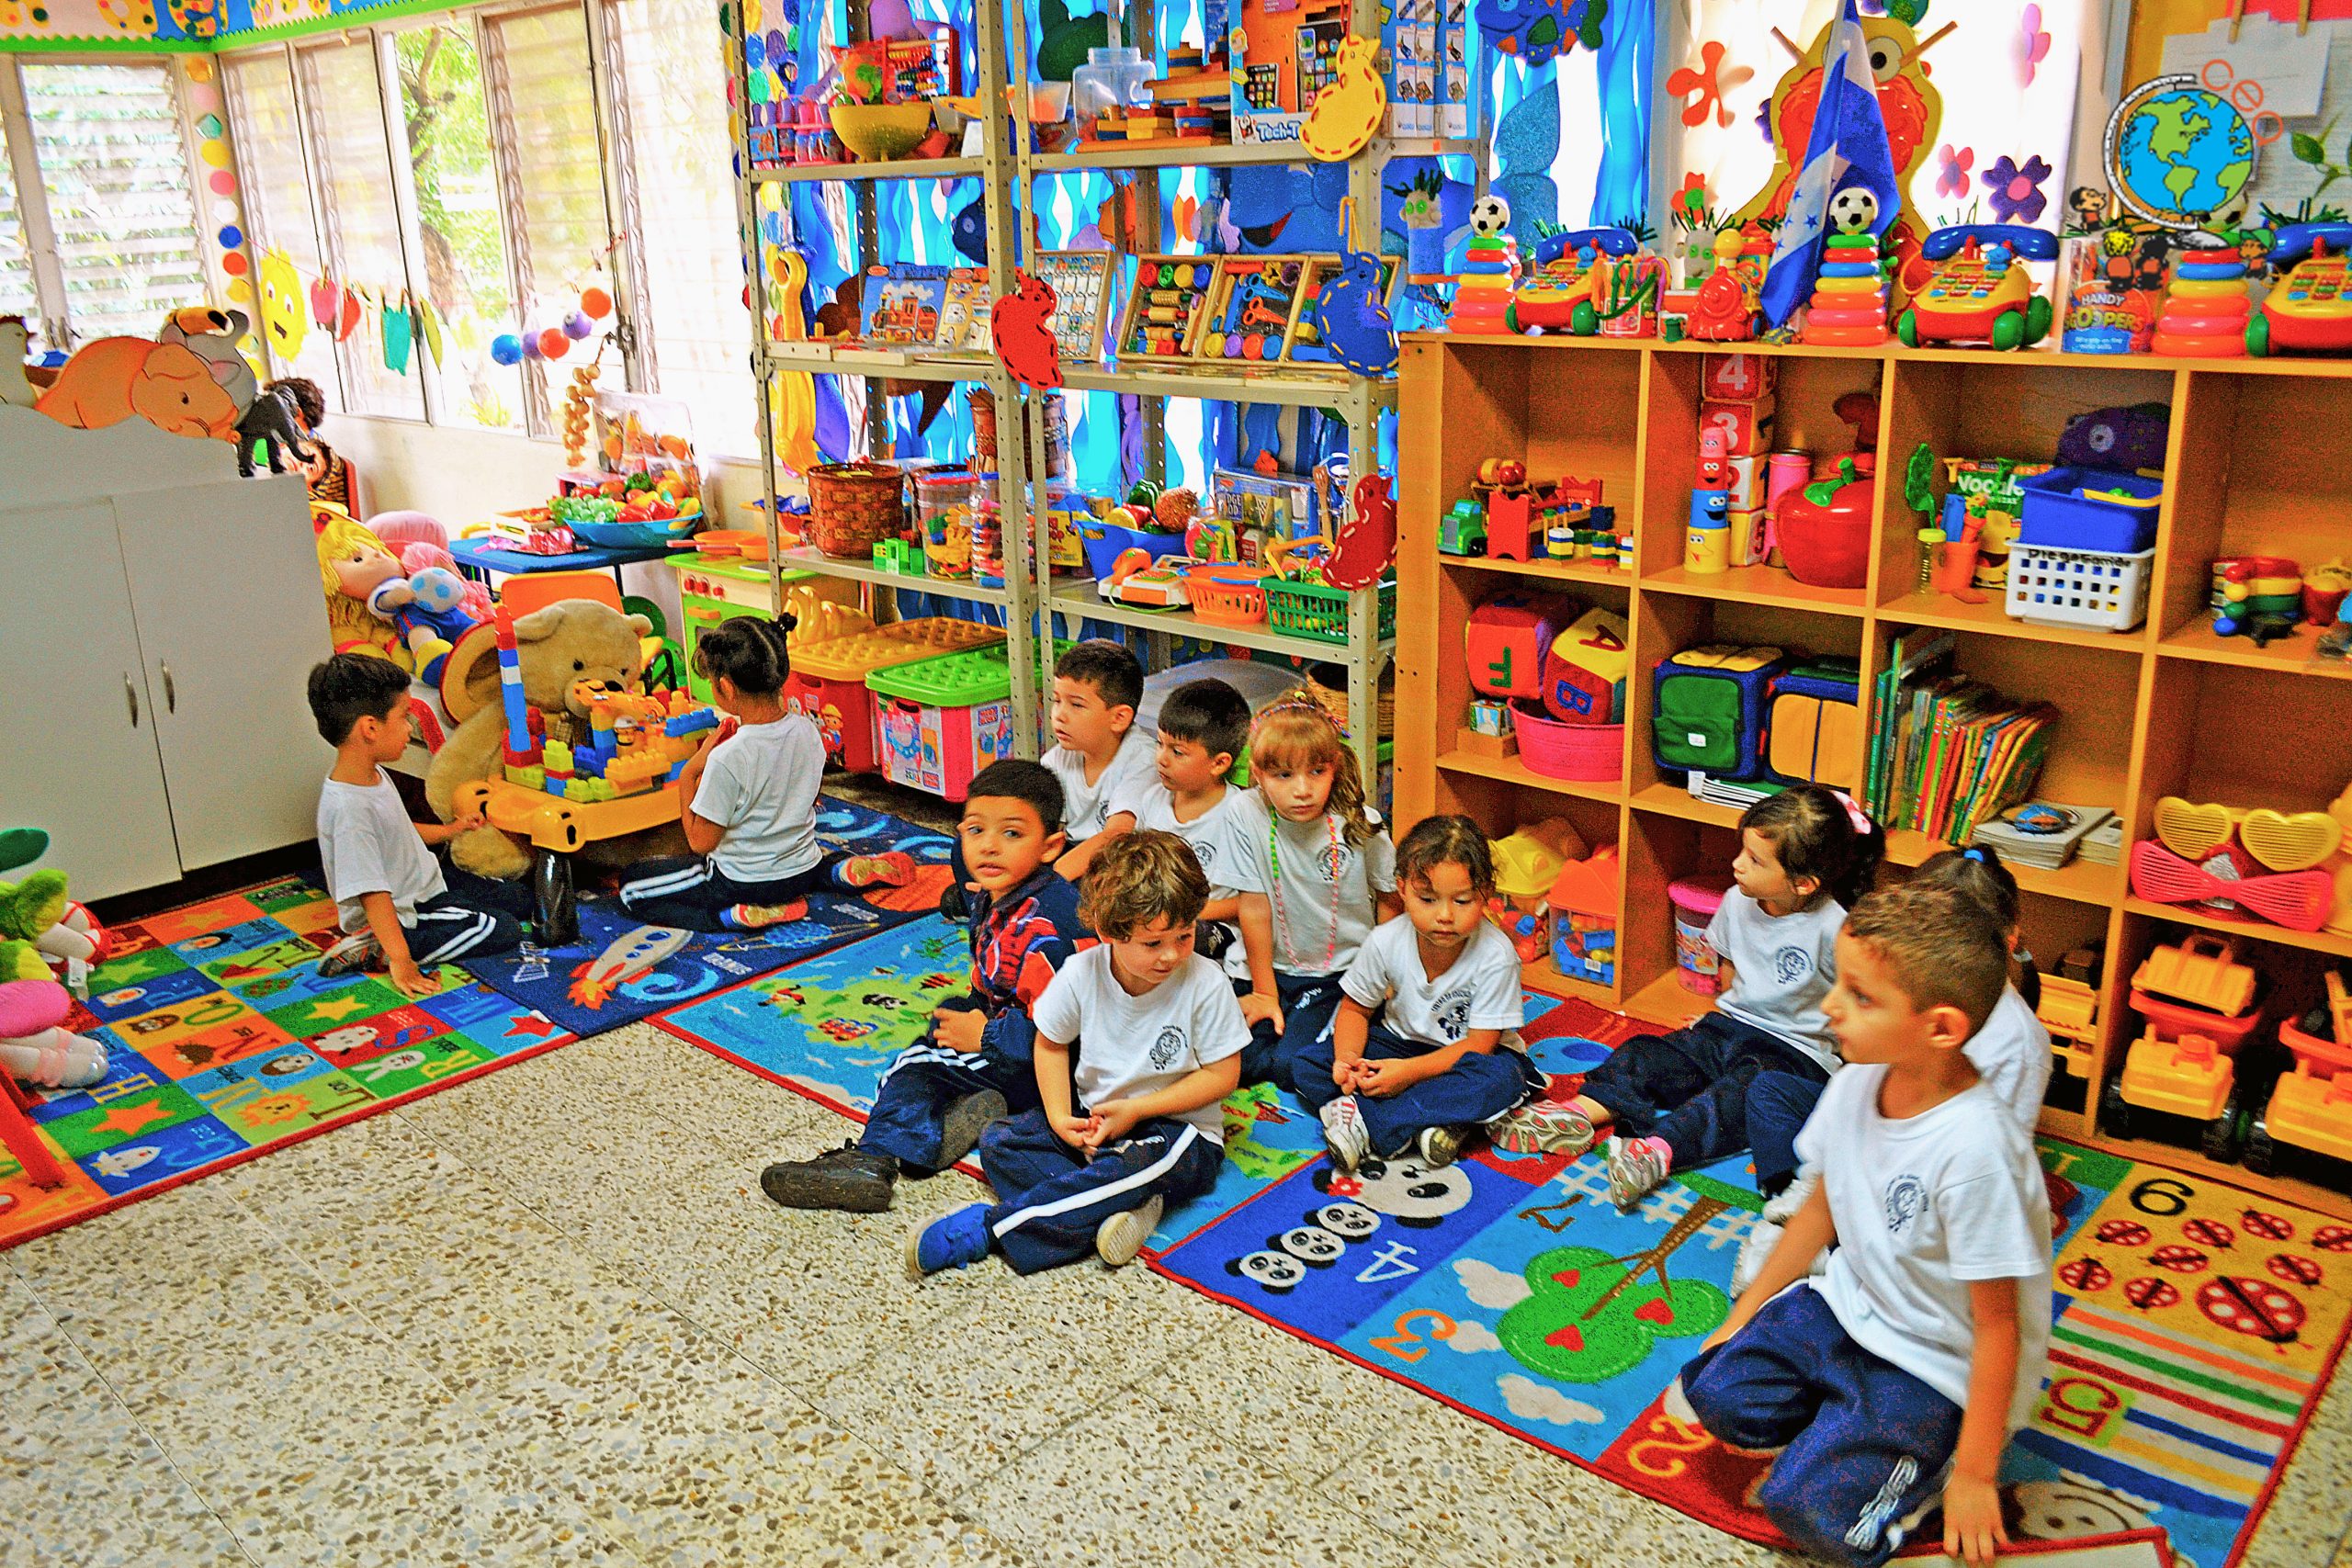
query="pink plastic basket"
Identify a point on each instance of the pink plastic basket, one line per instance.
(1588, 751)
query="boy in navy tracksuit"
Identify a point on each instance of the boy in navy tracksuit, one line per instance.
(975, 1063)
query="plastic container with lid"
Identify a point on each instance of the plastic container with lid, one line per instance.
(828, 680)
(944, 511)
(1696, 899)
(942, 720)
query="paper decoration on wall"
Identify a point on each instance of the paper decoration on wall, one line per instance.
(2031, 46)
(428, 326)
(1352, 313)
(1367, 540)
(399, 335)
(1020, 325)
(326, 301)
(969, 232)
(2179, 155)
(346, 316)
(282, 322)
(1535, 30)
(1705, 85)
(1526, 142)
(1350, 105)
(1062, 40)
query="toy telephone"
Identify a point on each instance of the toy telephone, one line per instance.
(1609, 242)
(1980, 290)
(2311, 306)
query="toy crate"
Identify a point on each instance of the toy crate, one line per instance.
(1318, 611)
(828, 681)
(2120, 518)
(2078, 588)
(942, 720)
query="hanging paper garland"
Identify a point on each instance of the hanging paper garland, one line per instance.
(399, 335)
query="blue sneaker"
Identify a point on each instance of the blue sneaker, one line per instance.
(951, 1241)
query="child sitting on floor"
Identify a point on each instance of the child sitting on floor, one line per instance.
(1680, 1099)
(973, 1065)
(1321, 872)
(747, 801)
(1202, 728)
(1136, 1122)
(1900, 1372)
(396, 899)
(1105, 763)
(2011, 1054)
(1416, 1059)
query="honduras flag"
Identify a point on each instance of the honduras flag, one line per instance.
(1848, 150)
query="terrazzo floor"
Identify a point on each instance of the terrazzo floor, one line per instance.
(547, 1318)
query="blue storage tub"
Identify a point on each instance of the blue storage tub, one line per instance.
(1106, 541)
(2058, 515)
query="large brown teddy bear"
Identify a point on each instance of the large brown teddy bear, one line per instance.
(571, 642)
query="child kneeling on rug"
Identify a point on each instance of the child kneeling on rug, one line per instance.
(391, 894)
(973, 1065)
(1898, 1374)
(1136, 1122)
(1415, 1059)
(747, 801)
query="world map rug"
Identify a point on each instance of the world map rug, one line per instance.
(2195, 1326)
(622, 969)
(829, 1027)
(223, 1042)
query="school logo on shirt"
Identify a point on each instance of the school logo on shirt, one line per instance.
(1454, 1014)
(1791, 964)
(1204, 851)
(1906, 1196)
(1333, 861)
(1168, 1047)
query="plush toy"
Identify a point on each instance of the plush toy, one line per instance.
(569, 651)
(428, 610)
(110, 379)
(38, 926)
(37, 910)
(353, 563)
(211, 335)
(16, 387)
(276, 420)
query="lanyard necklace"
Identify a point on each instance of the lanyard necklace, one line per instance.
(1281, 922)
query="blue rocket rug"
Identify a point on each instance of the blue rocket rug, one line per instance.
(621, 969)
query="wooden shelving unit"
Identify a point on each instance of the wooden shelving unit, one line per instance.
(2261, 463)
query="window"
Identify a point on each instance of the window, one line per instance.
(115, 178)
(263, 113)
(17, 295)
(352, 168)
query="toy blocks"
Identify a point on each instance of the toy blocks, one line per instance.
(1738, 378)
(1505, 641)
(1813, 725)
(1584, 671)
(1747, 427)
(1710, 706)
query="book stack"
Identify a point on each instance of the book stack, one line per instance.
(2103, 845)
(1948, 754)
(2046, 834)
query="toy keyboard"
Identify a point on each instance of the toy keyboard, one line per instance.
(2317, 289)
(1965, 278)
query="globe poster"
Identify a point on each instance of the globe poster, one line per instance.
(2177, 154)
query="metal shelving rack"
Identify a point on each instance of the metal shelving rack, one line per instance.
(1032, 602)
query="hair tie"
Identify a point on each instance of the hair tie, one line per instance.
(1855, 815)
(1978, 853)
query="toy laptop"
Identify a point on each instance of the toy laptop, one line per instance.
(1710, 710)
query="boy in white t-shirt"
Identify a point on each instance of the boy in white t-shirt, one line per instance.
(1202, 728)
(391, 894)
(1898, 1375)
(1134, 1123)
(748, 801)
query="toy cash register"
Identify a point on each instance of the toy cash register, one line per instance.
(1981, 291)
(2311, 307)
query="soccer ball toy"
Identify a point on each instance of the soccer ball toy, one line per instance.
(1489, 216)
(1852, 211)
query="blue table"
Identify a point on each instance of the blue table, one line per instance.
(476, 557)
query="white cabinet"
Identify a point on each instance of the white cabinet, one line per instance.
(155, 632)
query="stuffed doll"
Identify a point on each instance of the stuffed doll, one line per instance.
(39, 926)
(37, 910)
(353, 563)
(428, 611)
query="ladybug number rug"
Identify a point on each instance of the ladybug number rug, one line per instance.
(2196, 1326)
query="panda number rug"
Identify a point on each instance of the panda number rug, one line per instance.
(223, 1042)
(622, 969)
(2196, 1327)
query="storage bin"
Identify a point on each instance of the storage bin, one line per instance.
(2057, 514)
(2172, 1019)
(942, 720)
(1318, 611)
(855, 506)
(1590, 752)
(828, 680)
(1106, 541)
(1224, 594)
(1695, 900)
(2079, 588)
(944, 512)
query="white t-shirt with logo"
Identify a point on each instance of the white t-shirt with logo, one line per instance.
(1126, 1045)
(1783, 968)
(2012, 1056)
(1479, 990)
(1923, 1207)
(1325, 898)
(1087, 808)
(1220, 841)
(369, 845)
(760, 786)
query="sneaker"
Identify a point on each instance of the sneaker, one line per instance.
(1542, 1127)
(847, 1179)
(951, 1241)
(1440, 1146)
(1636, 1169)
(1344, 1138)
(759, 917)
(892, 868)
(1120, 1238)
(960, 1129)
(1677, 1403)
(1762, 1237)
(354, 952)
(954, 904)
(1783, 1206)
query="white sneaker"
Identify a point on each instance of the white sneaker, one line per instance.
(1440, 1146)
(1344, 1138)
(1636, 1170)
(351, 954)
(1120, 1238)
(1542, 1127)
(1761, 1239)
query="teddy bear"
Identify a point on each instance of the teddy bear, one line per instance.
(569, 651)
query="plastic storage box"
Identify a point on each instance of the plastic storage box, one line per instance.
(942, 720)
(2079, 588)
(1695, 900)
(828, 681)
(1591, 752)
(1318, 611)
(2118, 517)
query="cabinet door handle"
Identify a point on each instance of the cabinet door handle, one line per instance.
(171, 693)
(130, 695)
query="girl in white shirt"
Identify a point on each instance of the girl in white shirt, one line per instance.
(748, 801)
(1415, 1061)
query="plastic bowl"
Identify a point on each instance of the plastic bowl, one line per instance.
(879, 132)
(1827, 550)
(628, 535)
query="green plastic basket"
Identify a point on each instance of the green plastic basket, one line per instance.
(1315, 611)
(953, 680)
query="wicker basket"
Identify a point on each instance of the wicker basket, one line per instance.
(855, 506)
(1334, 702)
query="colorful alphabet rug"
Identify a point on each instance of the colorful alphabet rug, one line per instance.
(829, 1027)
(621, 969)
(223, 1042)
(2195, 1328)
